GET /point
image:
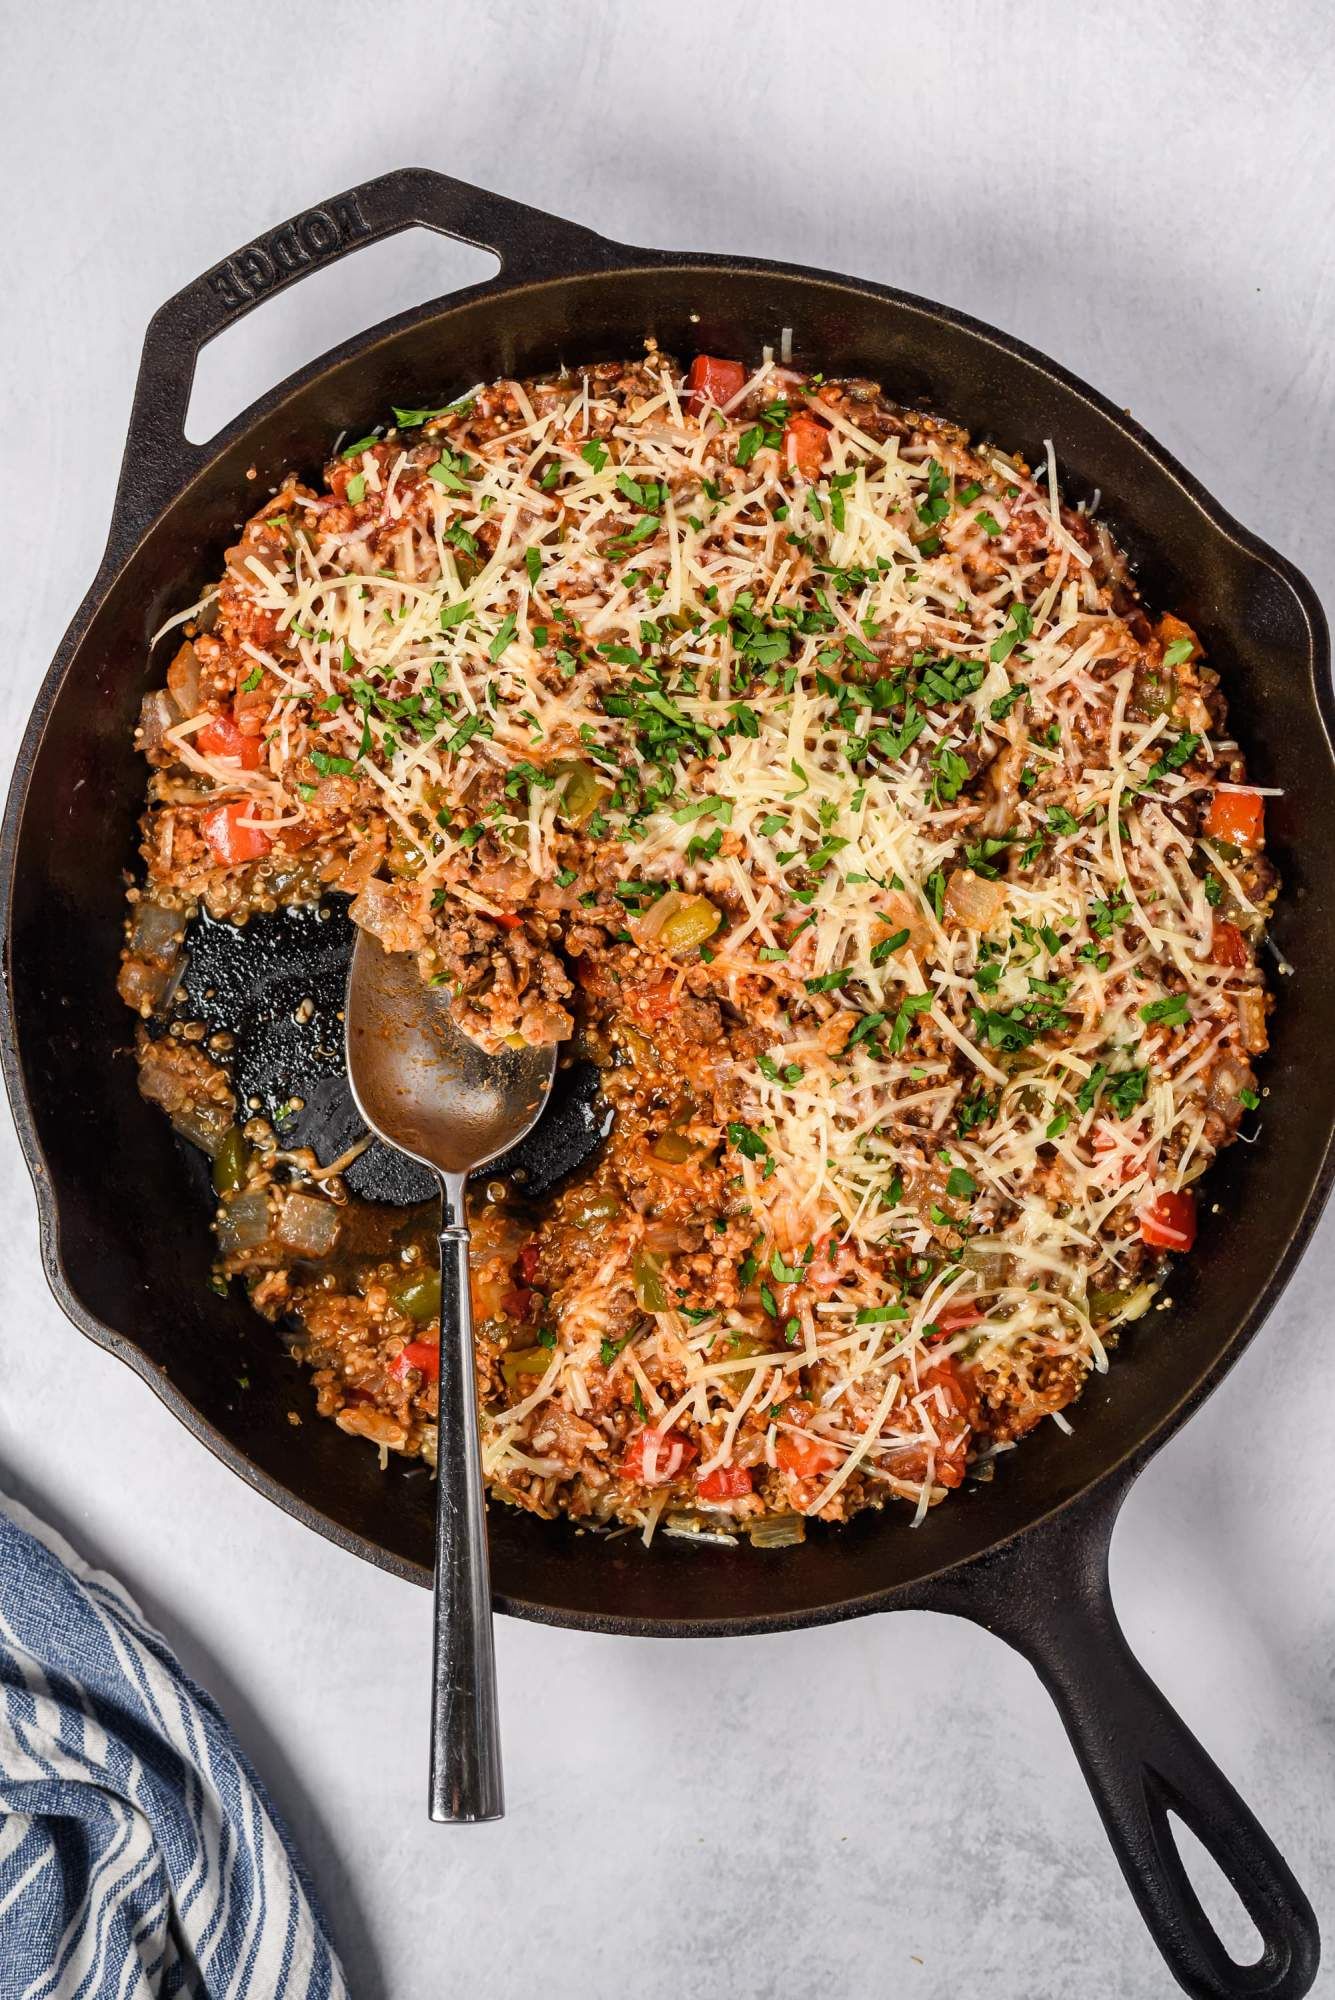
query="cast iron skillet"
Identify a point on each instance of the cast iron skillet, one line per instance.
(128, 1257)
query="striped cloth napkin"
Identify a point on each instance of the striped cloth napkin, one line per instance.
(139, 1855)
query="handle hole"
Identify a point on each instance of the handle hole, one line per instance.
(1219, 1899)
(326, 307)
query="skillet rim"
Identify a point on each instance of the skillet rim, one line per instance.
(127, 537)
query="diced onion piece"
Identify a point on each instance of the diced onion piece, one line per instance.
(308, 1226)
(155, 931)
(205, 1125)
(157, 714)
(778, 1531)
(183, 679)
(244, 1223)
(380, 909)
(902, 912)
(974, 901)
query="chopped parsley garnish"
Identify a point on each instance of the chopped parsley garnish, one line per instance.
(1174, 1012)
(1014, 1028)
(951, 774)
(911, 1005)
(503, 638)
(866, 1026)
(1103, 916)
(1090, 1088)
(937, 504)
(1172, 759)
(1004, 703)
(1018, 627)
(982, 856)
(888, 947)
(747, 1142)
(1128, 1090)
(411, 420)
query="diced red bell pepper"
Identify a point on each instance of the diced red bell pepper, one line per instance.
(424, 1355)
(526, 1263)
(656, 1002)
(805, 1457)
(725, 1482)
(220, 737)
(955, 1318)
(1169, 1223)
(804, 442)
(712, 381)
(953, 1411)
(1227, 944)
(654, 1457)
(508, 921)
(1238, 817)
(232, 842)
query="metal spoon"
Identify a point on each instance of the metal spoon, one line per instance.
(423, 1086)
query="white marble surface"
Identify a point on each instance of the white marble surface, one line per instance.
(887, 1808)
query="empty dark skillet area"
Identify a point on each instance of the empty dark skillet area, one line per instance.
(129, 1257)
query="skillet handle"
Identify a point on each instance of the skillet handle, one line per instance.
(158, 459)
(1047, 1595)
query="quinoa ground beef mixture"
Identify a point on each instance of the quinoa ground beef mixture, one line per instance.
(820, 774)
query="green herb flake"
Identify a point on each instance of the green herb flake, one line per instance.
(747, 1142)
(502, 639)
(1173, 1012)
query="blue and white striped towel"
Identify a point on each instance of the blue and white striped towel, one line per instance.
(139, 1855)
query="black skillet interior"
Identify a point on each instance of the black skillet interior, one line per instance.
(128, 1253)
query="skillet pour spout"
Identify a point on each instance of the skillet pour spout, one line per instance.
(1024, 1555)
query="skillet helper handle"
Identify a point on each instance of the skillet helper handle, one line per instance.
(158, 460)
(466, 1783)
(1047, 1594)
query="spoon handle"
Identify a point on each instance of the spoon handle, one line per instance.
(466, 1781)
